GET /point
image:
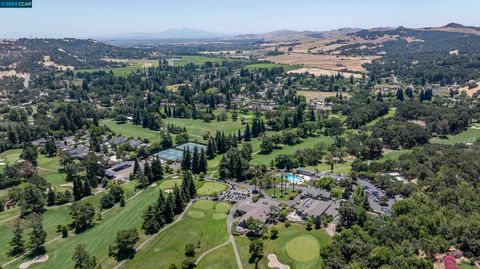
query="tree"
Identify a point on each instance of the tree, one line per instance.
(190, 250)
(17, 243)
(37, 235)
(32, 200)
(125, 242)
(188, 263)
(82, 259)
(50, 147)
(82, 216)
(29, 153)
(256, 251)
(203, 164)
(273, 233)
(150, 220)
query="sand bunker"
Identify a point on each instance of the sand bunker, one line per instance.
(38, 259)
(274, 263)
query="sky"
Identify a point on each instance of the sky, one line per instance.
(88, 18)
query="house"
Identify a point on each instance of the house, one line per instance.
(78, 152)
(39, 142)
(117, 140)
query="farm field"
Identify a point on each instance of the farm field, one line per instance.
(309, 142)
(131, 130)
(468, 136)
(286, 67)
(295, 246)
(199, 60)
(132, 66)
(323, 72)
(169, 246)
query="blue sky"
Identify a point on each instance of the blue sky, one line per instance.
(84, 18)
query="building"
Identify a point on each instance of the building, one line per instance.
(120, 171)
(312, 208)
(259, 210)
(318, 194)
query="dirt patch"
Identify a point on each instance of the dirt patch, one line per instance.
(323, 72)
(274, 263)
(470, 91)
(47, 62)
(310, 95)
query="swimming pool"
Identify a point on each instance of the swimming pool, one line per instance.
(292, 178)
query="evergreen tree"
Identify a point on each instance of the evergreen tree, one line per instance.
(136, 166)
(77, 189)
(82, 259)
(50, 147)
(29, 153)
(147, 171)
(37, 235)
(186, 161)
(247, 135)
(168, 212)
(203, 164)
(150, 222)
(211, 149)
(17, 243)
(195, 161)
(179, 201)
(157, 169)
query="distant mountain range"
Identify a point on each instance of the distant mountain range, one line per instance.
(173, 33)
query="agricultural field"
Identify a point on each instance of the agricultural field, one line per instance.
(131, 130)
(295, 246)
(468, 136)
(132, 66)
(199, 60)
(209, 220)
(286, 67)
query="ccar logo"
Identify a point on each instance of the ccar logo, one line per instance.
(15, 3)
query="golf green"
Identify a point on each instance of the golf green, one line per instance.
(204, 204)
(196, 214)
(303, 248)
(219, 216)
(211, 188)
(222, 207)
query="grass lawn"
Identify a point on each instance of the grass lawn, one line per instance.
(286, 194)
(394, 154)
(199, 60)
(221, 258)
(344, 167)
(132, 66)
(197, 128)
(50, 219)
(468, 136)
(211, 188)
(131, 130)
(9, 157)
(306, 143)
(465, 266)
(286, 67)
(170, 183)
(294, 246)
(390, 114)
(201, 226)
(98, 238)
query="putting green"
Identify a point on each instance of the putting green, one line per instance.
(211, 188)
(303, 248)
(222, 207)
(219, 216)
(203, 204)
(196, 214)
